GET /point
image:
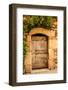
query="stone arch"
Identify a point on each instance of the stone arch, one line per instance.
(43, 31)
(46, 32)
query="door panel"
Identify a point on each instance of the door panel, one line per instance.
(39, 52)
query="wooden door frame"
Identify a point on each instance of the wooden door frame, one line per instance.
(42, 64)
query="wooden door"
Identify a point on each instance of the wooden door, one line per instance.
(39, 51)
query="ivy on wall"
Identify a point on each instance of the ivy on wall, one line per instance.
(31, 21)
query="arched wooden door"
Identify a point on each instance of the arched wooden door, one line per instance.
(39, 51)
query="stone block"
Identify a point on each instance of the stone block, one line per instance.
(51, 64)
(27, 64)
(28, 68)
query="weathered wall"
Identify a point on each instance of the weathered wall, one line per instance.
(52, 46)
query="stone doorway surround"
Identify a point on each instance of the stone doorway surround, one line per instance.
(51, 47)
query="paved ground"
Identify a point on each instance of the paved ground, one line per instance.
(39, 71)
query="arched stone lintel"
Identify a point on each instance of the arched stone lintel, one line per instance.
(43, 31)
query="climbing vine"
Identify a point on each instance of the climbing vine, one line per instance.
(31, 21)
